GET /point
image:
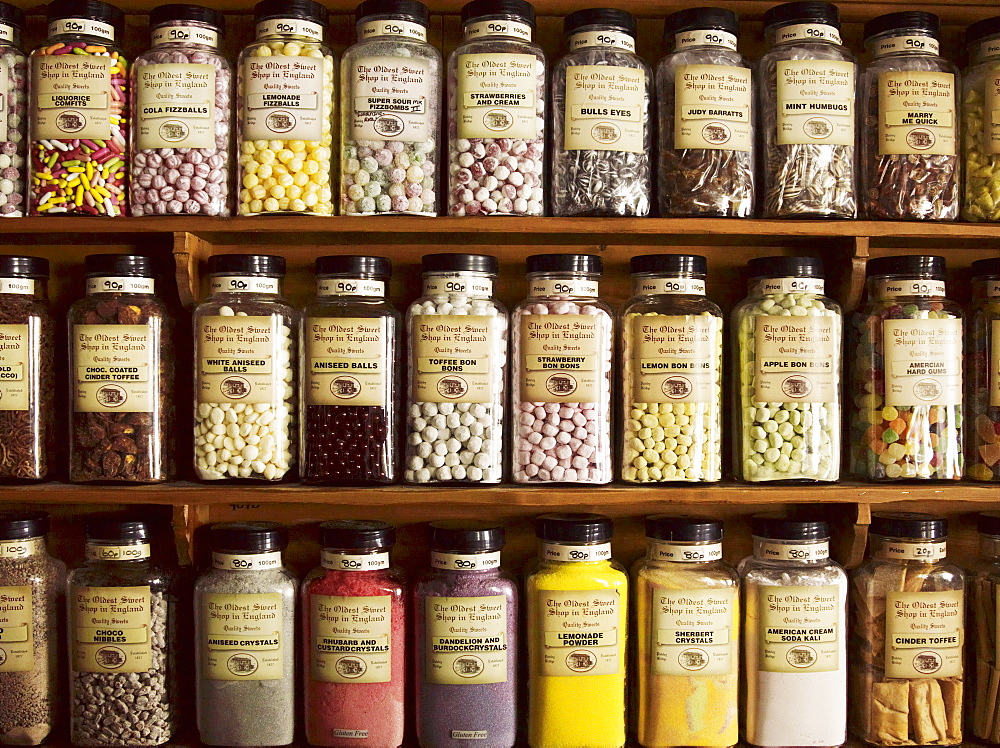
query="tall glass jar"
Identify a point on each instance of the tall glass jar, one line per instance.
(806, 97)
(907, 376)
(182, 92)
(788, 389)
(390, 94)
(982, 372)
(33, 588)
(286, 156)
(981, 122)
(456, 388)
(687, 603)
(465, 611)
(984, 585)
(496, 113)
(909, 165)
(704, 94)
(908, 634)
(123, 679)
(671, 355)
(796, 675)
(577, 601)
(244, 620)
(354, 648)
(27, 391)
(14, 118)
(602, 134)
(122, 421)
(562, 373)
(348, 420)
(245, 399)
(79, 160)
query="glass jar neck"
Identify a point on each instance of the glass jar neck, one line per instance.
(798, 552)
(347, 559)
(117, 550)
(890, 287)
(458, 282)
(684, 552)
(563, 284)
(989, 546)
(185, 34)
(656, 284)
(562, 552)
(986, 50)
(914, 550)
(234, 283)
(903, 42)
(499, 27)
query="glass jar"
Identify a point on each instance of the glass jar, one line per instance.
(909, 166)
(182, 93)
(32, 586)
(787, 397)
(796, 676)
(688, 624)
(704, 93)
(907, 375)
(465, 614)
(806, 97)
(122, 423)
(354, 638)
(123, 680)
(496, 87)
(286, 158)
(27, 400)
(577, 600)
(562, 373)
(982, 452)
(984, 581)
(13, 119)
(79, 160)
(245, 399)
(908, 634)
(601, 130)
(981, 122)
(671, 355)
(388, 144)
(457, 334)
(244, 619)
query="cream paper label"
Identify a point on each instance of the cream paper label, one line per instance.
(796, 359)
(694, 632)
(236, 360)
(923, 634)
(991, 127)
(604, 108)
(71, 97)
(242, 636)
(289, 27)
(685, 553)
(464, 283)
(914, 551)
(923, 361)
(576, 553)
(111, 629)
(21, 548)
(24, 286)
(789, 285)
(995, 363)
(352, 639)
(496, 96)
(895, 289)
(466, 640)
(894, 44)
(122, 284)
(9, 34)
(84, 26)
(391, 99)
(653, 286)
(131, 552)
(283, 98)
(815, 102)
(452, 358)
(191, 34)
(17, 645)
(16, 342)
(580, 633)
(800, 629)
(712, 108)
(392, 27)
(346, 361)
(559, 358)
(612, 39)
(113, 366)
(497, 27)
(705, 38)
(563, 287)
(246, 561)
(800, 32)
(676, 359)
(349, 287)
(917, 113)
(175, 106)
(244, 284)
(794, 551)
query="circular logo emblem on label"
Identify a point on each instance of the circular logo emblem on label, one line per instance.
(242, 663)
(389, 125)
(497, 120)
(693, 659)
(801, 657)
(351, 667)
(110, 658)
(606, 133)
(3, 655)
(716, 133)
(280, 121)
(580, 661)
(920, 139)
(561, 384)
(818, 128)
(796, 386)
(173, 130)
(452, 387)
(927, 662)
(345, 387)
(111, 396)
(235, 388)
(71, 121)
(677, 387)
(927, 390)
(468, 666)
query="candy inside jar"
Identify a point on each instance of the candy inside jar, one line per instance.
(981, 123)
(13, 118)
(983, 373)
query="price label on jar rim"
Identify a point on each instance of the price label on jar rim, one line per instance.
(120, 285)
(913, 551)
(246, 561)
(464, 283)
(190, 34)
(560, 552)
(24, 286)
(21, 548)
(993, 289)
(692, 554)
(613, 39)
(392, 27)
(245, 284)
(563, 287)
(103, 552)
(354, 561)
(790, 285)
(705, 38)
(349, 287)
(817, 32)
(989, 48)
(290, 26)
(894, 44)
(910, 287)
(692, 286)
(8, 34)
(498, 27)
(795, 551)
(465, 561)
(84, 26)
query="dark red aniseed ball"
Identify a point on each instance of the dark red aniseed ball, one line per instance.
(346, 444)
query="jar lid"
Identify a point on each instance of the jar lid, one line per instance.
(811, 11)
(120, 265)
(116, 527)
(23, 266)
(180, 12)
(692, 264)
(779, 526)
(565, 264)
(94, 10)
(906, 265)
(988, 523)
(357, 534)
(521, 10)
(909, 525)
(684, 528)
(410, 10)
(19, 525)
(11, 15)
(698, 19)
(307, 10)
(906, 20)
(380, 267)
(982, 30)
(249, 537)
(986, 268)
(460, 263)
(461, 536)
(247, 264)
(785, 267)
(619, 19)
(574, 527)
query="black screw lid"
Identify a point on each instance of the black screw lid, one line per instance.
(982, 30)
(460, 263)
(307, 10)
(909, 525)
(23, 266)
(519, 9)
(380, 267)
(410, 10)
(684, 528)
(802, 12)
(988, 523)
(136, 266)
(906, 20)
(619, 19)
(986, 268)
(270, 265)
(11, 15)
(574, 527)
(565, 264)
(460, 536)
(94, 10)
(779, 526)
(700, 19)
(907, 265)
(249, 537)
(180, 12)
(20, 525)
(669, 264)
(357, 534)
(116, 527)
(785, 267)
